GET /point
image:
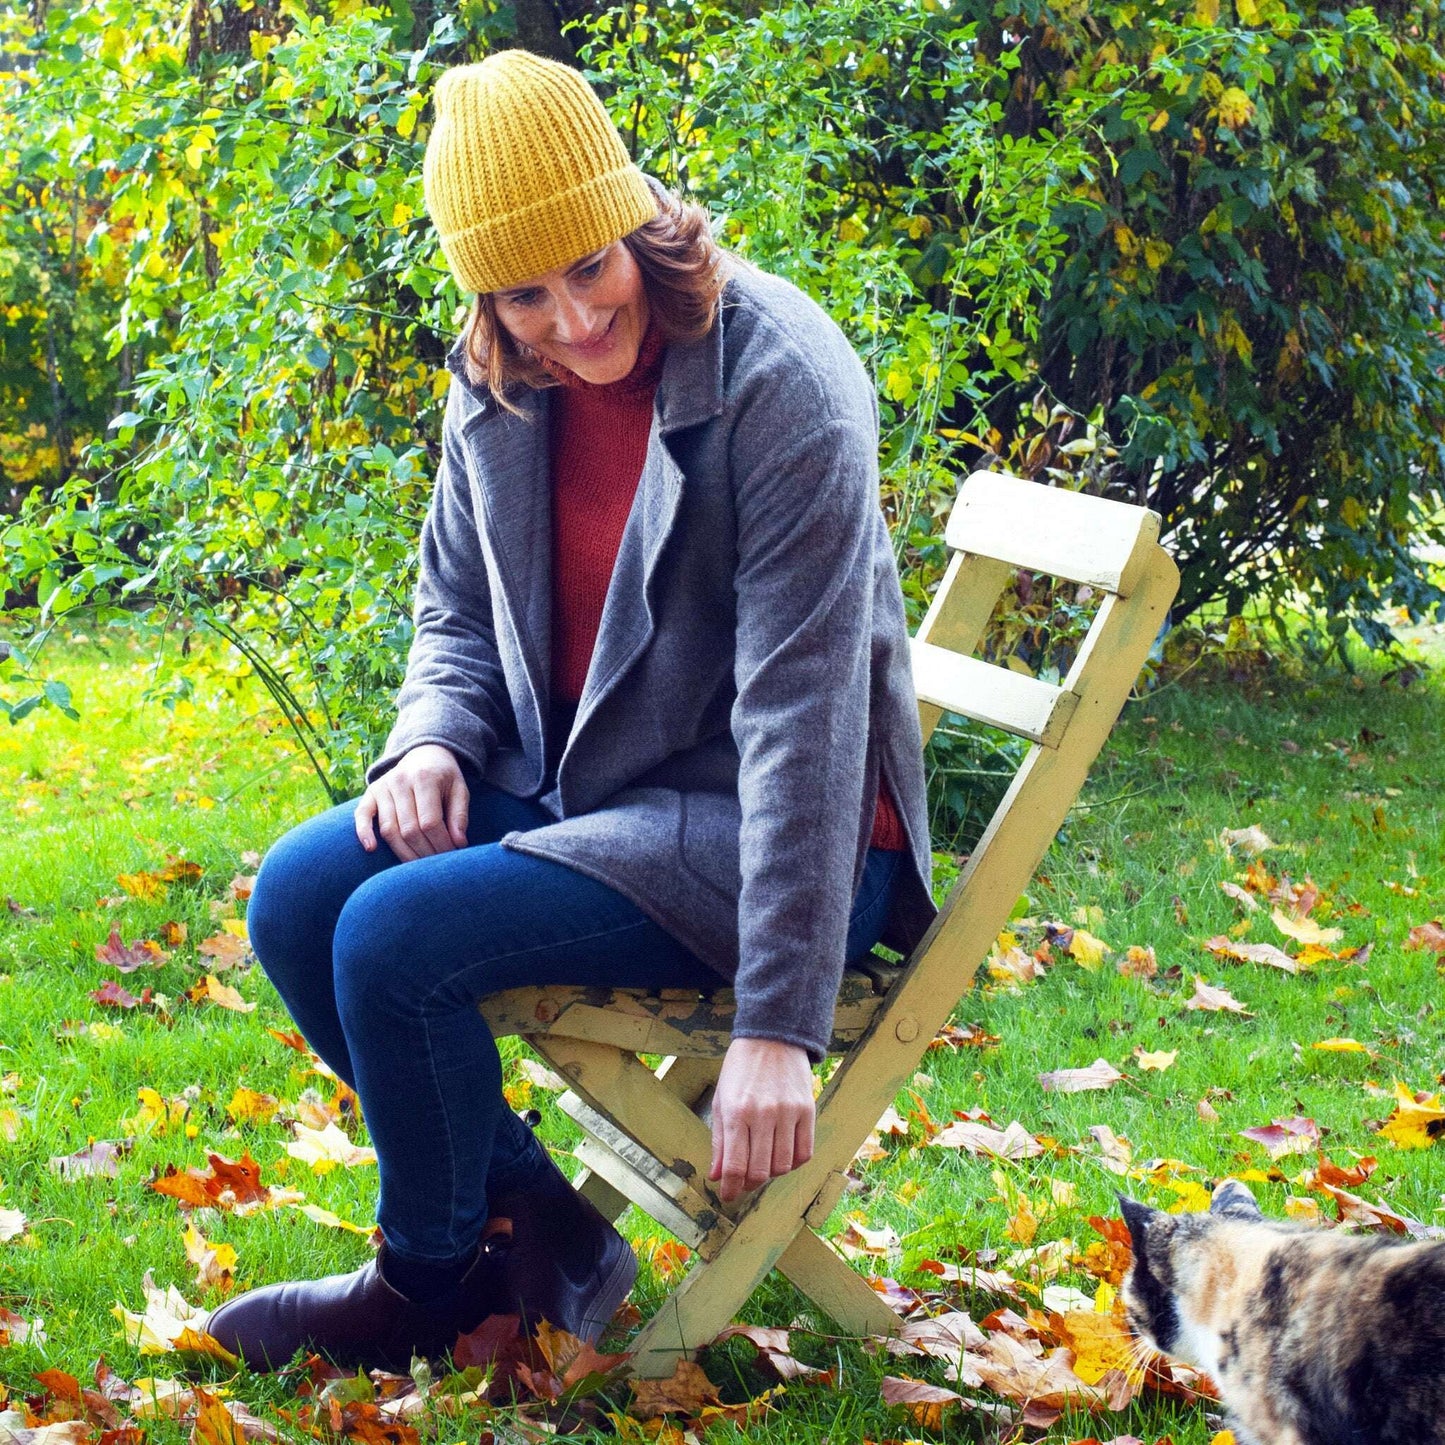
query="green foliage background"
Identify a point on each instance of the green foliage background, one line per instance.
(1189, 254)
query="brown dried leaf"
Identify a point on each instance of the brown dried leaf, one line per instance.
(687, 1392)
(974, 1137)
(924, 1403)
(970, 1036)
(127, 957)
(211, 990)
(1250, 841)
(113, 995)
(1101, 1074)
(1209, 999)
(228, 1184)
(1296, 1135)
(225, 950)
(1429, 936)
(1245, 899)
(1266, 953)
(1138, 962)
(100, 1158)
(774, 1350)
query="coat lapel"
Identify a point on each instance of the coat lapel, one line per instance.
(509, 454)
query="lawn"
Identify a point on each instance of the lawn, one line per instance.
(136, 819)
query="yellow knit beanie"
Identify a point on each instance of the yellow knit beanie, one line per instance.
(525, 172)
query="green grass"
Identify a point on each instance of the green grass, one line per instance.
(1344, 774)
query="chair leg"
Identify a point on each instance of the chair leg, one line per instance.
(835, 1287)
(610, 1203)
(689, 1079)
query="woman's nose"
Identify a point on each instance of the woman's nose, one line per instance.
(574, 322)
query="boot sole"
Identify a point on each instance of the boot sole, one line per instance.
(615, 1287)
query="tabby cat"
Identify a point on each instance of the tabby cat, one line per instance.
(1314, 1337)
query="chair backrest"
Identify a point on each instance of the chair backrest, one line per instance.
(999, 524)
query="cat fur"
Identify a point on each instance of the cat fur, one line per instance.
(1313, 1336)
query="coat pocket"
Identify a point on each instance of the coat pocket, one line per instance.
(709, 826)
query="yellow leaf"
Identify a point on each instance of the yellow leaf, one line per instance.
(1416, 1123)
(401, 213)
(1157, 252)
(1248, 12)
(1236, 109)
(1159, 121)
(1024, 1224)
(405, 124)
(1086, 950)
(1306, 930)
(145, 886)
(324, 1149)
(215, 1263)
(1352, 514)
(1100, 1342)
(248, 1106)
(850, 230)
(1206, 12)
(1163, 1059)
(331, 1221)
(1341, 1046)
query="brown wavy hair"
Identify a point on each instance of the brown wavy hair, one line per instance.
(683, 270)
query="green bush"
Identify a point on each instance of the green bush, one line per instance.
(1147, 249)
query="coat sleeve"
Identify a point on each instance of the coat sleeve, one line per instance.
(807, 520)
(455, 692)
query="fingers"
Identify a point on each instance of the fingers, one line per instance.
(458, 806)
(387, 826)
(364, 819)
(803, 1138)
(738, 1167)
(420, 807)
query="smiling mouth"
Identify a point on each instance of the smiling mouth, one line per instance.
(597, 342)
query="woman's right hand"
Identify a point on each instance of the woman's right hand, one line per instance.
(419, 807)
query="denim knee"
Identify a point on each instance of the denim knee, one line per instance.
(378, 935)
(300, 887)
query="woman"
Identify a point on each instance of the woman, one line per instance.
(657, 729)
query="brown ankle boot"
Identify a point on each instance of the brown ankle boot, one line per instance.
(355, 1319)
(565, 1264)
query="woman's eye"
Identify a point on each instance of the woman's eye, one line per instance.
(591, 271)
(523, 298)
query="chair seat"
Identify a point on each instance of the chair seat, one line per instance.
(678, 1022)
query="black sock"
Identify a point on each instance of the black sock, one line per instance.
(421, 1280)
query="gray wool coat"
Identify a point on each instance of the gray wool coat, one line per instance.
(751, 677)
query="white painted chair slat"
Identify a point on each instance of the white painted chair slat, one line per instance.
(1066, 534)
(996, 696)
(648, 1138)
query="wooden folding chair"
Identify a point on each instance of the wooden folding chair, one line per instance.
(645, 1139)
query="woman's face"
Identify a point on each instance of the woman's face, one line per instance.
(589, 316)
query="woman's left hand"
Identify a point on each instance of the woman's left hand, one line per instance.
(762, 1115)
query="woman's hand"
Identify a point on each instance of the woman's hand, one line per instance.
(762, 1115)
(419, 806)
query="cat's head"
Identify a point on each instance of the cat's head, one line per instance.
(1173, 1263)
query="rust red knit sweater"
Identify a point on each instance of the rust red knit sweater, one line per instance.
(597, 445)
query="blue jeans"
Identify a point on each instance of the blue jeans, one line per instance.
(382, 965)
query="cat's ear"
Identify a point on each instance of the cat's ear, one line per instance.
(1136, 1216)
(1233, 1200)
